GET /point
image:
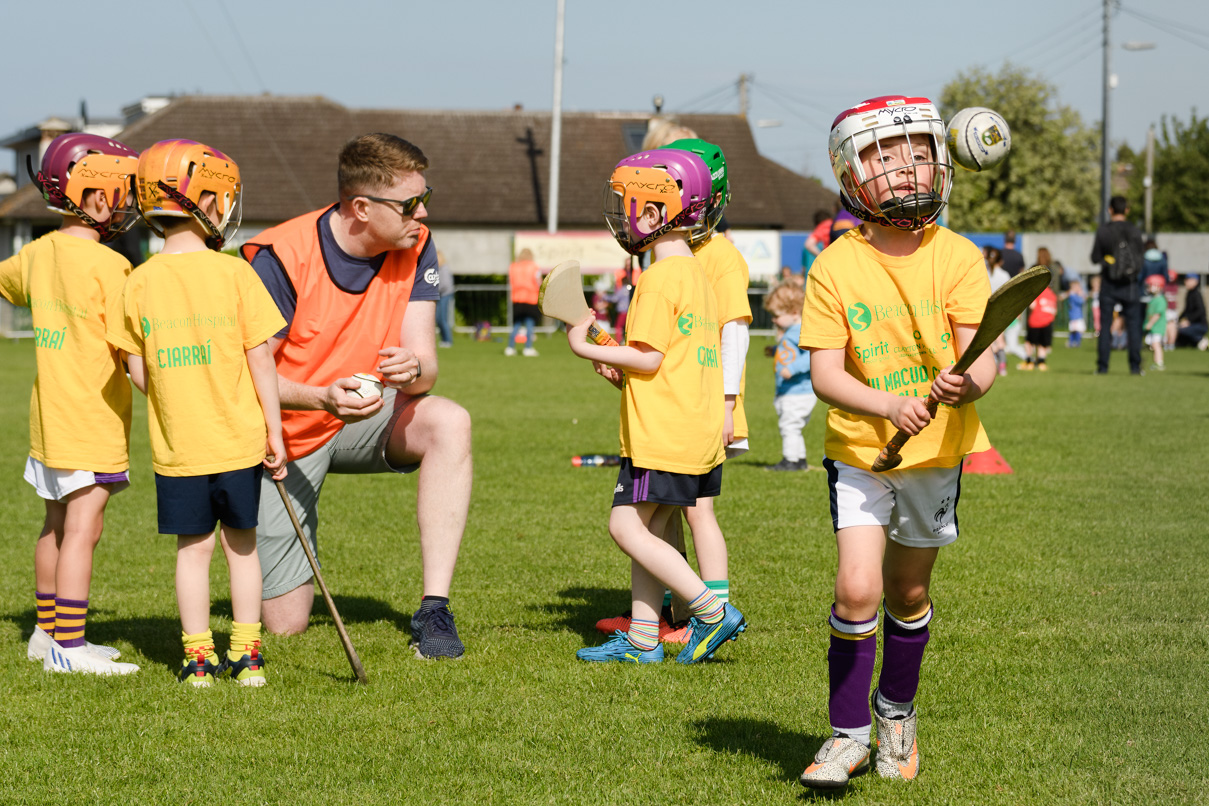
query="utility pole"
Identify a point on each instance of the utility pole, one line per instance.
(1105, 157)
(744, 78)
(1148, 182)
(556, 118)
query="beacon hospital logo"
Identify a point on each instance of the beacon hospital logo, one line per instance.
(859, 316)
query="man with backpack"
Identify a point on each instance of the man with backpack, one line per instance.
(1118, 250)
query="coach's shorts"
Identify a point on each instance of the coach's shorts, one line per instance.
(55, 484)
(636, 485)
(919, 505)
(190, 505)
(356, 448)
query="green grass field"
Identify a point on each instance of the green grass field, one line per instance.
(1065, 664)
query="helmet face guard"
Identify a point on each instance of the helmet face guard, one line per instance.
(76, 163)
(719, 195)
(173, 175)
(869, 125)
(677, 182)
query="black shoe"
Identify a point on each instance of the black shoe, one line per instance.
(785, 464)
(433, 634)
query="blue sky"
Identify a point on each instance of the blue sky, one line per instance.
(809, 60)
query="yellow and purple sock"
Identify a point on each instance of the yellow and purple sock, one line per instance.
(903, 655)
(707, 607)
(69, 621)
(202, 644)
(245, 640)
(46, 612)
(850, 661)
(644, 634)
(720, 588)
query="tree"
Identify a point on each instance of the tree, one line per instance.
(1050, 181)
(1181, 173)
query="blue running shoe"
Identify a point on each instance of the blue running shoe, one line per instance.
(620, 649)
(704, 639)
(434, 635)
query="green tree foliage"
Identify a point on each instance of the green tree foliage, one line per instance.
(1049, 182)
(1181, 174)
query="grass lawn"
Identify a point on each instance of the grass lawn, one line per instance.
(1065, 663)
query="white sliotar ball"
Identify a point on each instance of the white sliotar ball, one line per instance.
(370, 386)
(978, 138)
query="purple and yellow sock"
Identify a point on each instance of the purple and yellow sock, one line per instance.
(720, 588)
(200, 643)
(644, 634)
(46, 612)
(850, 661)
(69, 621)
(903, 655)
(245, 639)
(707, 607)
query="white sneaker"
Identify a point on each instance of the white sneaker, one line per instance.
(839, 759)
(509, 351)
(529, 352)
(82, 660)
(39, 642)
(897, 749)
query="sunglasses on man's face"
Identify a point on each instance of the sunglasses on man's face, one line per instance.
(406, 206)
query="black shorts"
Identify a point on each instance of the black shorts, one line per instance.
(190, 505)
(1040, 336)
(636, 485)
(525, 310)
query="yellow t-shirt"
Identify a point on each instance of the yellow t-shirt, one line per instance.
(729, 277)
(192, 316)
(894, 317)
(79, 411)
(672, 420)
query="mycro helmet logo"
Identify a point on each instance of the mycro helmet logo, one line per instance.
(859, 316)
(685, 324)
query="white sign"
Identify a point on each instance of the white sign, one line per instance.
(761, 249)
(596, 252)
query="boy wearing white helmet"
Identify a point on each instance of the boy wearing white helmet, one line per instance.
(889, 307)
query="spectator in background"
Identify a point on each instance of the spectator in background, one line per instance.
(994, 261)
(445, 302)
(1075, 299)
(1118, 250)
(1154, 262)
(1156, 317)
(1013, 261)
(624, 280)
(524, 281)
(818, 239)
(841, 222)
(795, 398)
(1193, 325)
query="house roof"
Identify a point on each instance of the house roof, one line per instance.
(488, 168)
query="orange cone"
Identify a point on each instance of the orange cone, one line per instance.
(986, 463)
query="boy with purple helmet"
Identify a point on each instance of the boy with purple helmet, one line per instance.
(672, 404)
(79, 415)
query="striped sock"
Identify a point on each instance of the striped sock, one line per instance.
(644, 634)
(46, 612)
(707, 607)
(850, 661)
(69, 621)
(203, 642)
(720, 587)
(245, 638)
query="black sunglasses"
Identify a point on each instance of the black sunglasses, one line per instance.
(406, 206)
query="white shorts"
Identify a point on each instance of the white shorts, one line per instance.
(1077, 326)
(919, 505)
(54, 484)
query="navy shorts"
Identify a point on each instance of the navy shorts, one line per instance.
(190, 505)
(636, 485)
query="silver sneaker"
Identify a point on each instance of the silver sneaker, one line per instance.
(839, 759)
(897, 750)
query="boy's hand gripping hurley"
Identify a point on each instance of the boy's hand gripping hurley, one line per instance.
(1003, 307)
(562, 297)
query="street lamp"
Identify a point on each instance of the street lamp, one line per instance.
(1110, 81)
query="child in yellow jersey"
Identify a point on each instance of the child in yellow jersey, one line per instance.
(671, 406)
(196, 324)
(889, 306)
(79, 414)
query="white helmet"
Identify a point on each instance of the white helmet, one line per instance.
(875, 120)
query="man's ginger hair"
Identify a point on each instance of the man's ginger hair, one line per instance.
(373, 162)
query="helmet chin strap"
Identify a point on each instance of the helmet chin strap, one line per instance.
(681, 219)
(54, 196)
(912, 205)
(215, 238)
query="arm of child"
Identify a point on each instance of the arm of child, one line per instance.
(734, 343)
(138, 372)
(264, 377)
(835, 387)
(635, 357)
(958, 389)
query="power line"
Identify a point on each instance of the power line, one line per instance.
(1058, 32)
(1180, 24)
(784, 101)
(1090, 39)
(1177, 30)
(1078, 57)
(726, 88)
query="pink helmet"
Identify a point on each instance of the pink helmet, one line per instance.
(678, 182)
(872, 121)
(77, 162)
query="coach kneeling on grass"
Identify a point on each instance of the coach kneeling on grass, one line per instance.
(357, 285)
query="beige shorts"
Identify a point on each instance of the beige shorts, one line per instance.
(356, 448)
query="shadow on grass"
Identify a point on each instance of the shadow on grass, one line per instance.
(789, 751)
(579, 609)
